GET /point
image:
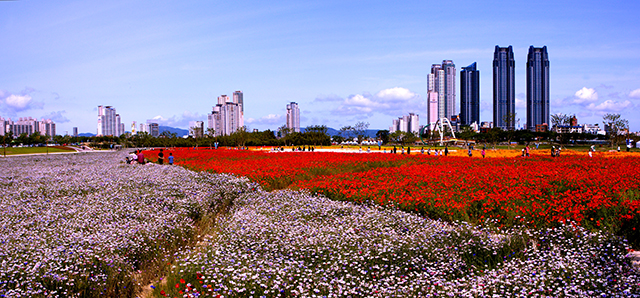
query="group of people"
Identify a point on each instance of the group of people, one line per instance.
(137, 157)
(526, 151)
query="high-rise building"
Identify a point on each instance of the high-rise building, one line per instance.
(107, 121)
(47, 127)
(449, 87)
(407, 123)
(414, 123)
(144, 127)
(469, 95)
(75, 131)
(293, 117)
(154, 129)
(432, 109)
(27, 125)
(436, 84)
(504, 90)
(196, 129)
(442, 80)
(119, 126)
(226, 117)
(537, 87)
(239, 99)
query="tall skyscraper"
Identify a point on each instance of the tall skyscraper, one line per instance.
(432, 109)
(154, 129)
(537, 87)
(504, 90)
(119, 126)
(442, 80)
(107, 125)
(449, 87)
(239, 99)
(293, 117)
(469, 95)
(226, 117)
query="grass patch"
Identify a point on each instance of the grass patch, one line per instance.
(35, 150)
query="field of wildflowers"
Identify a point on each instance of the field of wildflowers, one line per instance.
(87, 225)
(293, 244)
(599, 193)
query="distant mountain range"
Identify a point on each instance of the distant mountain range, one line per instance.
(178, 131)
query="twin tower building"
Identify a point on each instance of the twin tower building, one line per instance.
(441, 91)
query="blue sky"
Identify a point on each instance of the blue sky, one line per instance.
(341, 61)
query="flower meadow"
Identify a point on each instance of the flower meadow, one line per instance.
(600, 193)
(293, 244)
(87, 225)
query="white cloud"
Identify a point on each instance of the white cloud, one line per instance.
(610, 106)
(270, 119)
(585, 95)
(18, 102)
(635, 93)
(520, 103)
(393, 102)
(12, 103)
(396, 93)
(179, 121)
(57, 117)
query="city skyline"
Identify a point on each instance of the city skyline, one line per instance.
(343, 61)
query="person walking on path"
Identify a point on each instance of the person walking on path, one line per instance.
(160, 157)
(170, 158)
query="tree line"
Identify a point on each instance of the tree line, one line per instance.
(316, 135)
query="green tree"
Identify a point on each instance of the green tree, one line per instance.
(23, 139)
(396, 137)
(317, 135)
(360, 130)
(346, 132)
(616, 126)
(338, 139)
(560, 119)
(383, 135)
(240, 136)
(6, 140)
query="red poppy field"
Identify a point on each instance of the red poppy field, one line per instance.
(600, 193)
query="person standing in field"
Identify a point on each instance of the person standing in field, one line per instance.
(470, 154)
(526, 150)
(160, 157)
(408, 150)
(446, 150)
(482, 152)
(170, 158)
